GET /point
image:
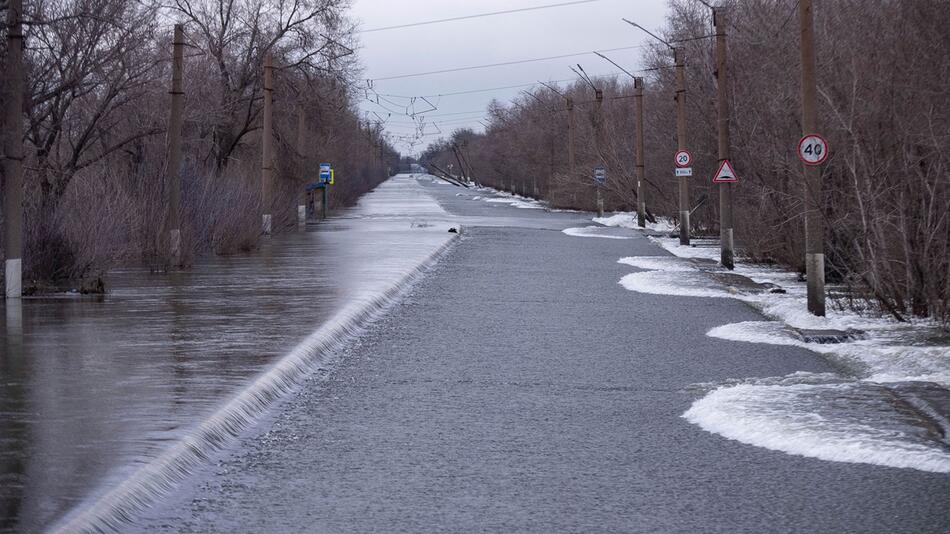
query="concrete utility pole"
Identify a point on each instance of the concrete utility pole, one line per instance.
(599, 134)
(571, 163)
(303, 152)
(814, 225)
(641, 200)
(13, 153)
(173, 161)
(678, 58)
(267, 139)
(458, 158)
(727, 256)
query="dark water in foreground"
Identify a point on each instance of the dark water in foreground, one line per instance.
(93, 391)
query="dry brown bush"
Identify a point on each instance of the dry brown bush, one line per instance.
(96, 112)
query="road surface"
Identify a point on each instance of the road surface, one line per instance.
(520, 388)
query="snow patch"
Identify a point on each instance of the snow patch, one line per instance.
(801, 420)
(517, 203)
(591, 231)
(629, 220)
(657, 263)
(679, 284)
(846, 418)
(867, 359)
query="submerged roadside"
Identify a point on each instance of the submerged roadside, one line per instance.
(107, 404)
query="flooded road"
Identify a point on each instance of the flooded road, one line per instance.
(522, 387)
(94, 391)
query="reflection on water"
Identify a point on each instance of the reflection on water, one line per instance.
(91, 390)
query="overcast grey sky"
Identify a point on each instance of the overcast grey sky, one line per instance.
(502, 38)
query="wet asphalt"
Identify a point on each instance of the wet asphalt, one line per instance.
(519, 388)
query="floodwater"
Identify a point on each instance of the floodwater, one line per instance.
(105, 403)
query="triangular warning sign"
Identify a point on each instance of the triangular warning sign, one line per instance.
(725, 174)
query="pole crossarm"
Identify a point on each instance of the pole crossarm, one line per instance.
(648, 32)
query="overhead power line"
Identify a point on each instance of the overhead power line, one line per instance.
(504, 63)
(456, 113)
(479, 15)
(490, 89)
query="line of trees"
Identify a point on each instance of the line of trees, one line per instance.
(884, 107)
(95, 117)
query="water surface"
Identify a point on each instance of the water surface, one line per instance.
(92, 390)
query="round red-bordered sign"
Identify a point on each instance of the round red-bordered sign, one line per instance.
(813, 149)
(683, 159)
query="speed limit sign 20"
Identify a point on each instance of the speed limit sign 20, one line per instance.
(683, 159)
(813, 149)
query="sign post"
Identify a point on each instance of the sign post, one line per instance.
(725, 181)
(600, 178)
(813, 150)
(641, 169)
(326, 178)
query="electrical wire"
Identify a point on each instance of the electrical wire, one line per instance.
(479, 15)
(501, 64)
(490, 89)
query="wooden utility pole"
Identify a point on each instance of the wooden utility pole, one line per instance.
(814, 225)
(681, 141)
(173, 161)
(641, 199)
(727, 256)
(303, 153)
(267, 139)
(13, 153)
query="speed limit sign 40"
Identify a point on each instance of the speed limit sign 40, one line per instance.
(813, 149)
(683, 159)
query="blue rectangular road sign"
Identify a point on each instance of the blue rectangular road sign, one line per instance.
(325, 172)
(600, 174)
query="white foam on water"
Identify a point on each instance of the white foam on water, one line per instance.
(791, 419)
(591, 231)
